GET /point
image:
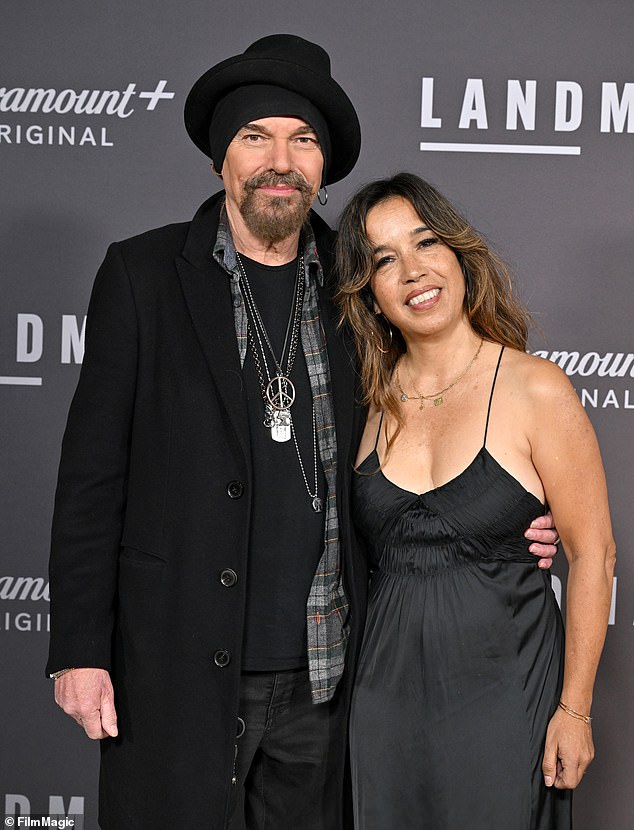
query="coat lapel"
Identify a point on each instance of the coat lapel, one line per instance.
(208, 296)
(341, 374)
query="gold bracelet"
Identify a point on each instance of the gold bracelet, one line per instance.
(585, 718)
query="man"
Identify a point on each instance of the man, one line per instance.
(202, 553)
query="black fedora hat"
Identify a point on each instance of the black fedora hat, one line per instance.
(290, 62)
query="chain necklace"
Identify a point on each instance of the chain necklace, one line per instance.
(437, 397)
(278, 393)
(314, 496)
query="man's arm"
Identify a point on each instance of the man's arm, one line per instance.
(544, 537)
(90, 502)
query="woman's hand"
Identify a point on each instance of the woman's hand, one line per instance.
(568, 752)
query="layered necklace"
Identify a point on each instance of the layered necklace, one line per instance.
(274, 377)
(437, 397)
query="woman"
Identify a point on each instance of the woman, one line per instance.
(465, 716)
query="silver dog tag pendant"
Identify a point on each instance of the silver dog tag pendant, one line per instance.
(281, 432)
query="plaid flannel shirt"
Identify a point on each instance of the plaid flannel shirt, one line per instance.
(327, 607)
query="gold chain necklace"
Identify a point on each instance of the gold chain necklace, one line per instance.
(437, 397)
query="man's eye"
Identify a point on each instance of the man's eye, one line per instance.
(307, 139)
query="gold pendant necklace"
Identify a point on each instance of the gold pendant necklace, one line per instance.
(437, 397)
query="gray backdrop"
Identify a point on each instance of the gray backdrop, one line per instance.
(558, 76)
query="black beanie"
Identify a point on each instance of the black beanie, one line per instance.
(254, 101)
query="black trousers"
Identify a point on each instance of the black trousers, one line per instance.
(286, 776)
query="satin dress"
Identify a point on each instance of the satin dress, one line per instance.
(462, 660)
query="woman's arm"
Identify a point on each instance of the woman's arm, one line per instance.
(566, 456)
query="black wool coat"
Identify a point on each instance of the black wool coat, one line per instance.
(153, 504)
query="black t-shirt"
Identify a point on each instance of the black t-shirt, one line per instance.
(287, 535)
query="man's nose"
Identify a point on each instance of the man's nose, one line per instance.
(280, 158)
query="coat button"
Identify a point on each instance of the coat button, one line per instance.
(222, 658)
(228, 577)
(235, 489)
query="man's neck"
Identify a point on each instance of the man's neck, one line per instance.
(260, 250)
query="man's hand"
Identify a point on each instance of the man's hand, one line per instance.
(544, 536)
(88, 697)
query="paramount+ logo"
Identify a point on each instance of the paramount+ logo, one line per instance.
(600, 392)
(24, 604)
(31, 112)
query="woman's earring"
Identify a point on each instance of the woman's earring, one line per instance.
(323, 200)
(389, 345)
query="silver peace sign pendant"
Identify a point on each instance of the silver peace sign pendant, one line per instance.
(280, 393)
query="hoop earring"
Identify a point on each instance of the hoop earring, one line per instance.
(214, 171)
(389, 345)
(322, 200)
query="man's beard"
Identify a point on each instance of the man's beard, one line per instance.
(274, 218)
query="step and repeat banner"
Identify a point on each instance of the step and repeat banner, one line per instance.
(522, 113)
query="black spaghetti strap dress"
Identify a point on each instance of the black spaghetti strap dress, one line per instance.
(462, 659)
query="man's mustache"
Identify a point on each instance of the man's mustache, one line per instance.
(272, 179)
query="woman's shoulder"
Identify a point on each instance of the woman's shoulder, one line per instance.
(537, 378)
